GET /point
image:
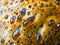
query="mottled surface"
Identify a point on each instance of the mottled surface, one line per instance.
(30, 22)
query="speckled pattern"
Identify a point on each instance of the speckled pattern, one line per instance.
(30, 22)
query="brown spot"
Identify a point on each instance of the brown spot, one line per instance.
(46, 5)
(35, 4)
(6, 16)
(28, 12)
(29, 6)
(2, 40)
(50, 4)
(51, 28)
(19, 18)
(41, 4)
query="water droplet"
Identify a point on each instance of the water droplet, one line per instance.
(16, 33)
(23, 12)
(30, 34)
(38, 36)
(58, 1)
(12, 20)
(51, 22)
(29, 20)
(58, 25)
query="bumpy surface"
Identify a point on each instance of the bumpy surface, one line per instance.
(30, 22)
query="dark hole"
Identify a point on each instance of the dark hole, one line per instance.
(58, 43)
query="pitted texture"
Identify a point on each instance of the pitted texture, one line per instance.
(30, 22)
